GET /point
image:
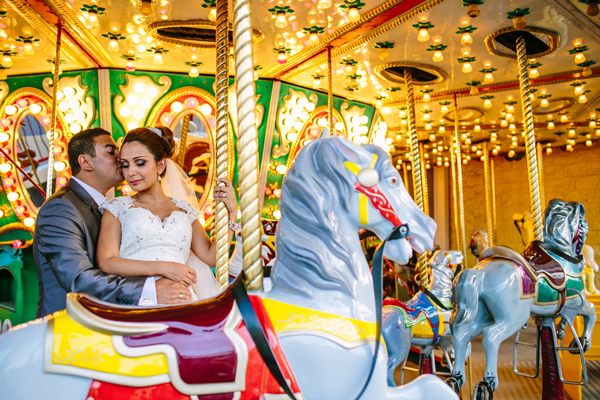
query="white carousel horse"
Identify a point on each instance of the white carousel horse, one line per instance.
(499, 294)
(479, 242)
(321, 307)
(424, 319)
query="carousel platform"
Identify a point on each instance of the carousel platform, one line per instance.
(512, 386)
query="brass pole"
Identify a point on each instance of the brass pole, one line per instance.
(416, 165)
(424, 179)
(50, 176)
(247, 146)
(532, 162)
(454, 194)
(405, 172)
(183, 141)
(330, 91)
(459, 184)
(222, 148)
(493, 193)
(489, 203)
(540, 154)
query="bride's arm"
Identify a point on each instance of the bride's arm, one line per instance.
(107, 256)
(203, 247)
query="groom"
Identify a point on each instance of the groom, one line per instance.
(67, 230)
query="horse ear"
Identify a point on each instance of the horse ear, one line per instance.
(350, 151)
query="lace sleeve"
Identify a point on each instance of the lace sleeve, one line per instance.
(116, 206)
(190, 211)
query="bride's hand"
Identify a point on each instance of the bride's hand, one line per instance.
(226, 194)
(179, 273)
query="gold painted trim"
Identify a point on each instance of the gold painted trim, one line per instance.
(13, 226)
(81, 33)
(552, 35)
(380, 71)
(48, 31)
(163, 103)
(312, 50)
(445, 116)
(350, 46)
(496, 88)
(309, 121)
(152, 31)
(569, 100)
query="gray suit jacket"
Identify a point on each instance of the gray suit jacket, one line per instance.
(64, 248)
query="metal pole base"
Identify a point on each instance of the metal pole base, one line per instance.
(552, 386)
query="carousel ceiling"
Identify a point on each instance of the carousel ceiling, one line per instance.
(371, 43)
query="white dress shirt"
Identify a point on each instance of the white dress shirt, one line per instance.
(148, 297)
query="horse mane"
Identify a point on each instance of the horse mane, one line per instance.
(316, 192)
(561, 223)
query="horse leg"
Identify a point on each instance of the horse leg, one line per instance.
(588, 311)
(461, 340)
(397, 340)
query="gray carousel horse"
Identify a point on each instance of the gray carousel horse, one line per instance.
(479, 242)
(322, 307)
(504, 289)
(423, 320)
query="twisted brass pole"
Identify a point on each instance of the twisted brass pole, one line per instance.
(405, 172)
(183, 141)
(424, 179)
(540, 153)
(459, 184)
(454, 194)
(416, 164)
(532, 162)
(489, 203)
(50, 175)
(222, 135)
(330, 91)
(247, 145)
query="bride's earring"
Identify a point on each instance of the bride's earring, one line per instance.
(159, 178)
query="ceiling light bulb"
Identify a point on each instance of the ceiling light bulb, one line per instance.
(7, 61)
(426, 98)
(282, 57)
(158, 58)
(432, 138)
(402, 114)
(28, 49)
(193, 72)
(544, 103)
(212, 14)
(281, 20)
(487, 103)
(550, 125)
(477, 128)
(534, 73)
(113, 45)
(353, 14)
(592, 124)
(423, 35)
(92, 19)
(428, 126)
(426, 116)
(467, 67)
(323, 4)
(317, 82)
(438, 56)
(582, 99)
(578, 90)
(130, 66)
(564, 118)
(313, 39)
(504, 123)
(146, 8)
(579, 57)
(444, 109)
(466, 39)
(384, 53)
(441, 129)
(3, 34)
(488, 77)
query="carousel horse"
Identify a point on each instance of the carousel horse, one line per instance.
(524, 224)
(423, 320)
(319, 322)
(504, 289)
(589, 272)
(479, 242)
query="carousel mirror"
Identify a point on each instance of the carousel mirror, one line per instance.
(32, 154)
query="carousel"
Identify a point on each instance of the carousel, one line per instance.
(417, 183)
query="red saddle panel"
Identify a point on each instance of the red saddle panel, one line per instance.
(542, 264)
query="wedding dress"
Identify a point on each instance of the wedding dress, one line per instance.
(145, 237)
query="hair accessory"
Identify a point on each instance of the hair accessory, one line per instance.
(155, 130)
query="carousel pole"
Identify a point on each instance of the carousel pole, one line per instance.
(489, 202)
(405, 173)
(247, 145)
(540, 153)
(425, 185)
(416, 164)
(454, 194)
(183, 141)
(532, 161)
(329, 91)
(222, 148)
(461, 209)
(50, 176)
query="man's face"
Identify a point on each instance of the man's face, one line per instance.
(107, 163)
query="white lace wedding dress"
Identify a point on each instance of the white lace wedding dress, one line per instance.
(145, 237)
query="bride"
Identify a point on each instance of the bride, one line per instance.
(150, 233)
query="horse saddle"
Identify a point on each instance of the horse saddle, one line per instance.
(420, 314)
(200, 348)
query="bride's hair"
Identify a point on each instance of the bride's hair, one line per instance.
(160, 146)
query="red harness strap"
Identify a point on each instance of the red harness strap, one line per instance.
(380, 202)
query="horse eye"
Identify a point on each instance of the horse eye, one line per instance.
(393, 180)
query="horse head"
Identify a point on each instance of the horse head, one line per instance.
(444, 265)
(565, 226)
(479, 242)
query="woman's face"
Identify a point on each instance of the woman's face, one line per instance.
(139, 168)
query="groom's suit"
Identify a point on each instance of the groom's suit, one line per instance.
(64, 248)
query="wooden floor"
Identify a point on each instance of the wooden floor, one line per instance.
(512, 386)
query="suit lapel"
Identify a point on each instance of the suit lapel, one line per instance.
(84, 196)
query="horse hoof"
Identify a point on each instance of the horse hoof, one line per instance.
(453, 383)
(483, 391)
(574, 345)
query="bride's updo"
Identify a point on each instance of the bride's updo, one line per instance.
(160, 146)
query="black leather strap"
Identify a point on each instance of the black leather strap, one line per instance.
(435, 299)
(258, 334)
(399, 232)
(558, 252)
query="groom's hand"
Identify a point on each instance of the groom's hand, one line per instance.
(169, 292)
